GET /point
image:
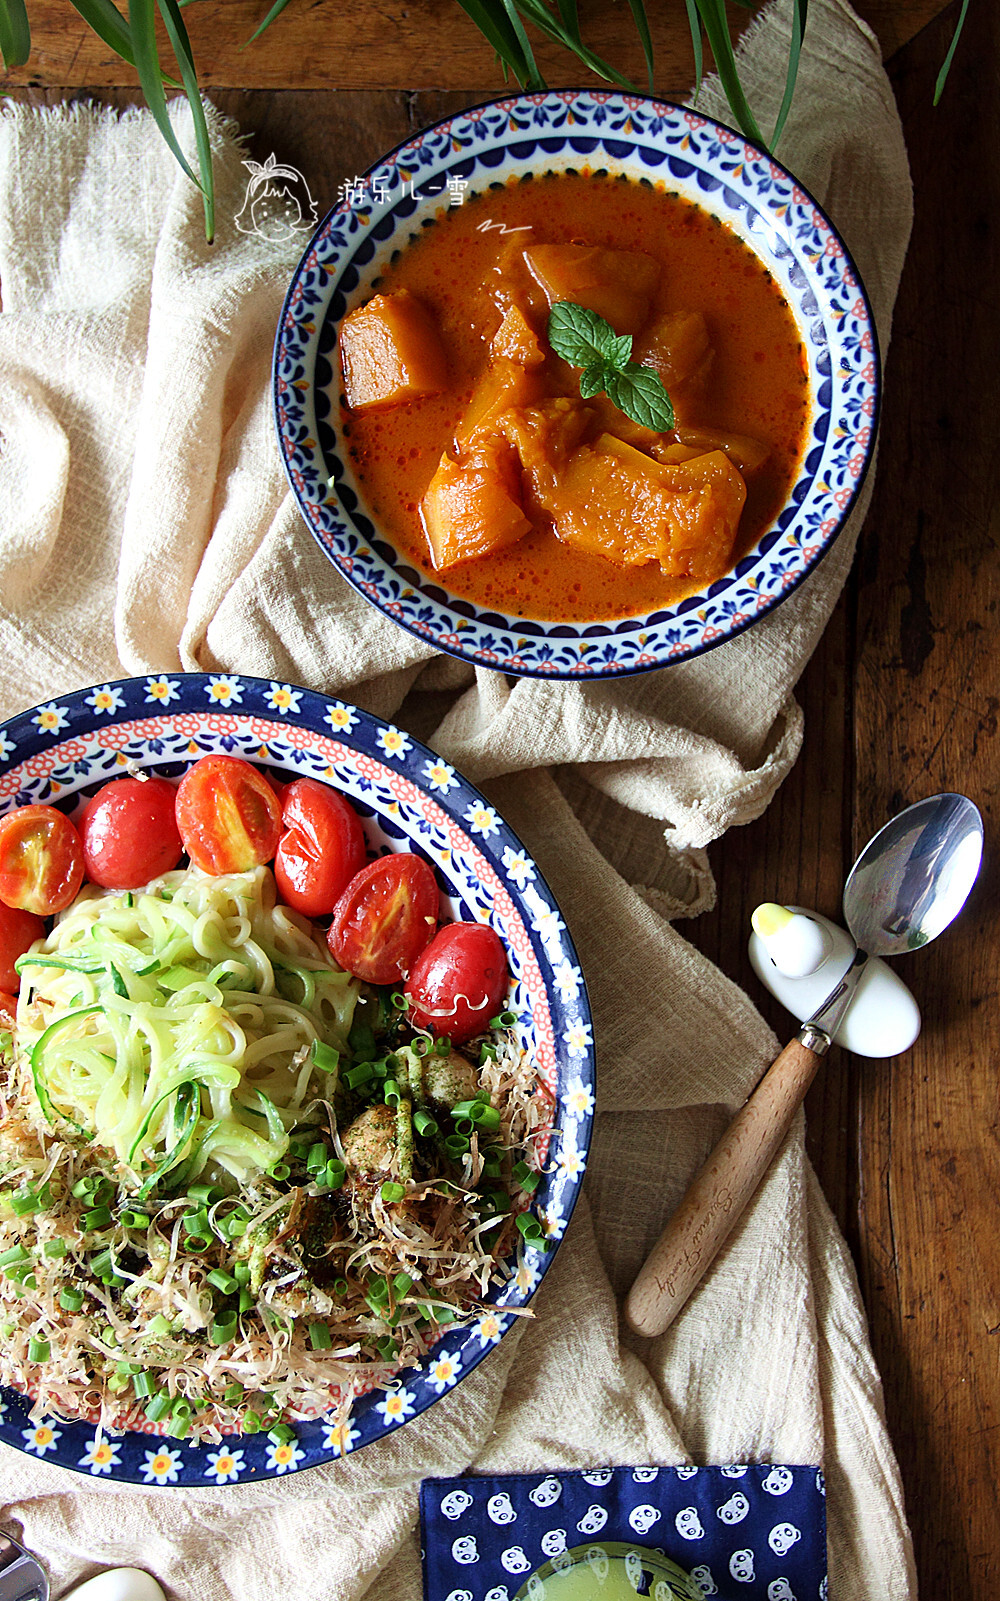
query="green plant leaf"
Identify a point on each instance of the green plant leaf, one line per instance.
(109, 25)
(642, 27)
(275, 11)
(534, 80)
(142, 25)
(15, 33)
(713, 16)
(493, 23)
(942, 76)
(794, 51)
(181, 45)
(694, 23)
(639, 393)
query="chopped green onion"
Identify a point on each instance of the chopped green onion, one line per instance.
(393, 1093)
(221, 1280)
(97, 1218)
(393, 1192)
(387, 1347)
(319, 1337)
(134, 1220)
(53, 1248)
(420, 1046)
(489, 1119)
(424, 1123)
(246, 1300)
(279, 1171)
(241, 1272)
(127, 1368)
(70, 1300)
(325, 1057)
(15, 1255)
(223, 1329)
(399, 1001)
(526, 1177)
(198, 1242)
(505, 1020)
(317, 1158)
(235, 1227)
(360, 1075)
(158, 1406)
(402, 1283)
(456, 1145)
(38, 1349)
(251, 1422)
(532, 1231)
(487, 1053)
(340, 1286)
(143, 1384)
(377, 1290)
(159, 1324)
(443, 1047)
(463, 1125)
(334, 1174)
(85, 1186)
(205, 1194)
(233, 1392)
(24, 1202)
(102, 1263)
(196, 1222)
(182, 1407)
(178, 1428)
(28, 1280)
(282, 1434)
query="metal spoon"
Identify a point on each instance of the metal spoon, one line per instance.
(907, 885)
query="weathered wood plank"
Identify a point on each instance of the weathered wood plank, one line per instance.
(391, 44)
(926, 702)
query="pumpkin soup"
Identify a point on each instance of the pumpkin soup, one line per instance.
(511, 476)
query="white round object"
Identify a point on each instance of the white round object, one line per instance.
(798, 946)
(118, 1584)
(883, 1018)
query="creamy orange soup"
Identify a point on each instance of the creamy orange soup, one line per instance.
(756, 384)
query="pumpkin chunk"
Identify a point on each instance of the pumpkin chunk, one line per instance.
(617, 284)
(501, 386)
(391, 351)
(471, 505)
(515, 340)
(611, 500)
(676, 345)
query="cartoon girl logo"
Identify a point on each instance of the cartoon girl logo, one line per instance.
(277, 202)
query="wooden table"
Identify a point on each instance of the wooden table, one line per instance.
(901, 698)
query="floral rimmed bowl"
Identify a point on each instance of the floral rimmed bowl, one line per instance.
(409, 799)
(703, 161)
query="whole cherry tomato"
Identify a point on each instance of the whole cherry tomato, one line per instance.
(18, 931)
(385, 917)
(41, 860)
(459, 982)
(130, 833)
(228, 815)
(321, 848)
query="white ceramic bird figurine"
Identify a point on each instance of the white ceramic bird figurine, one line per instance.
(801, 956)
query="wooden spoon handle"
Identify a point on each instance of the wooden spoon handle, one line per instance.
(717, 1198)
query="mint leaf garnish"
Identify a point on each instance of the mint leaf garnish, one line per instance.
(638, 392)
(586, 340)
(594, 378)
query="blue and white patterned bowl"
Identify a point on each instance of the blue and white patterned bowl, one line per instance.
(409, 799)
(703, 161)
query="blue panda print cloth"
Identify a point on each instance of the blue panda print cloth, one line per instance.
(744, 1533)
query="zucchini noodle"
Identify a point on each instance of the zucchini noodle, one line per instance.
(237, 1187)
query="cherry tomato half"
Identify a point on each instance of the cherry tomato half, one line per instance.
(18, 931)
(321, 848)
(228, 815)
(41, 860)
(459, 982)
(130, 833)
(385, 917)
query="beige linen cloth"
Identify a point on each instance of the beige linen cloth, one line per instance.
(145, 526)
